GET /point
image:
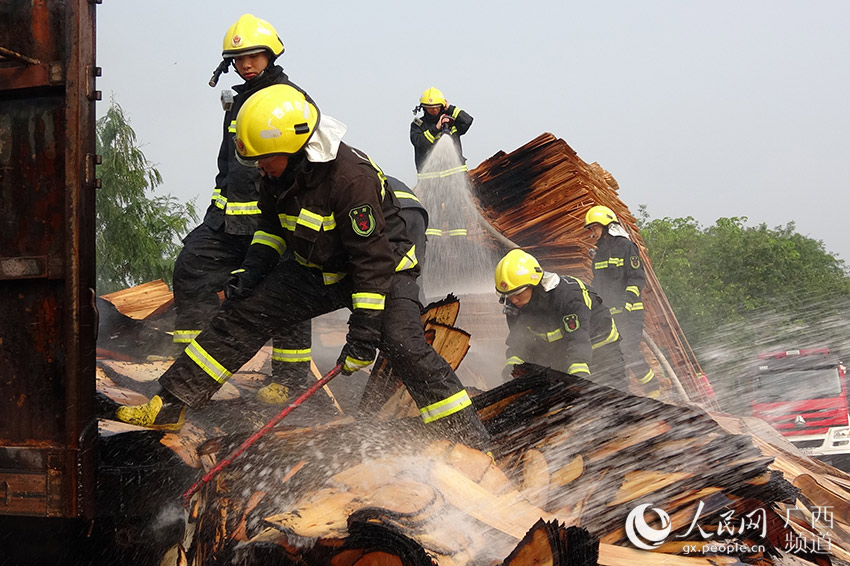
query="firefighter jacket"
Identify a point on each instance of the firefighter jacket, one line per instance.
(413, 213)
(618, 273)
(337, 217)
(424, 133)
(560, 326)
(236, 194)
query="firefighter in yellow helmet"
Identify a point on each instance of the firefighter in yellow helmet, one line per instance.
(619, 276)
(330, 205)
(558, 322)
(213, 252)
(439, 118)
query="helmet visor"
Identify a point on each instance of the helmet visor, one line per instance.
(247, 161)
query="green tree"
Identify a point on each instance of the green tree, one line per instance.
(138, 234)
(738, 290)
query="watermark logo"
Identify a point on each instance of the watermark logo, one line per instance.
(640, 533)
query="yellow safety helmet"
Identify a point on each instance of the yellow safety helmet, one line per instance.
(599, 215)
(249, 35)
(277, 120)
(516, 271)
(432, 97)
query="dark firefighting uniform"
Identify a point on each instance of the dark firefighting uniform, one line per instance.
(217, 247)
(424, 134)
(619, 277)
(351, 250)
(566, 327)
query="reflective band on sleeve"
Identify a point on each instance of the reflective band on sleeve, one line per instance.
(446, 407)
(457, 232)
(242, 208)
(332, 278)
(634, 290)
(634, 307)
(615, 310)
(288, 221)
(615, 262)
(514, 361)
(218, 200)
(272, 240)
(553, 336)
(433, 232)
(184, 336)
(578, 368)
(446, 173)
(647, 378)
(232, 127)
(455, 113)
(429, 137)
(315, 221)
(401, 195)
(613, 336)
(369, 301)
(292, 356)
(207, 363)
(408, 260)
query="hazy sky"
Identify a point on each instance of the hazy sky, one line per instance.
(698, 108)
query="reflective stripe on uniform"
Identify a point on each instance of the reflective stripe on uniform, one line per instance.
(292, 356)
(584, 293)
(634, 307)
(647, 378)
(328, 278)
(578, 367)
(408, 260)
(242, 208)
(369, 301)
(610, 262)
(401, 195)
(445, 173)
(553, 336)
(309, 220)
(429, 137)
(271, 240)
(184, 336)
(207, 363)
(232, 127)
(433, 232)
(514, 361)
(457, 232)
(446, 407)
(613, 336)
(615, 310)
(633, 289)
(218, 200)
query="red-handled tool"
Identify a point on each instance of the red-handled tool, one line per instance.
(187, 496)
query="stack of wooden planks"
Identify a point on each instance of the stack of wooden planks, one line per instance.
(537, 196)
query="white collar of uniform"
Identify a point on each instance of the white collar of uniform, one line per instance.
(324, 143)
(615, 229)
(549, 281)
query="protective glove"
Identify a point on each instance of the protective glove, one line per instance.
(361, 342)
(240, 284)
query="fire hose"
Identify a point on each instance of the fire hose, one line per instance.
(187, 496)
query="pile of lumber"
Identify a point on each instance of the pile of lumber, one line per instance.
(536, 197)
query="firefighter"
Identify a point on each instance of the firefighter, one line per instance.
(619, 276)
(558, 322)
(217, 247)
(438, 118)
(329, 205)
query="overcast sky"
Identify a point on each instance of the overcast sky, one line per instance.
(698, 108)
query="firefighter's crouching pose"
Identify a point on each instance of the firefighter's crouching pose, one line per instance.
(328, 204)
(619, 277)
(557, 322)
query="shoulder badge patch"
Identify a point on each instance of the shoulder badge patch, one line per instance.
(571, 322)
(634, 261)
(362, 220)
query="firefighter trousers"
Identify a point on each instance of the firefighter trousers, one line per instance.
(292, 294)
(608, 368)
(630, 325)
(201, 272)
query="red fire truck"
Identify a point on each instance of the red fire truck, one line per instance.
(803, 394)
